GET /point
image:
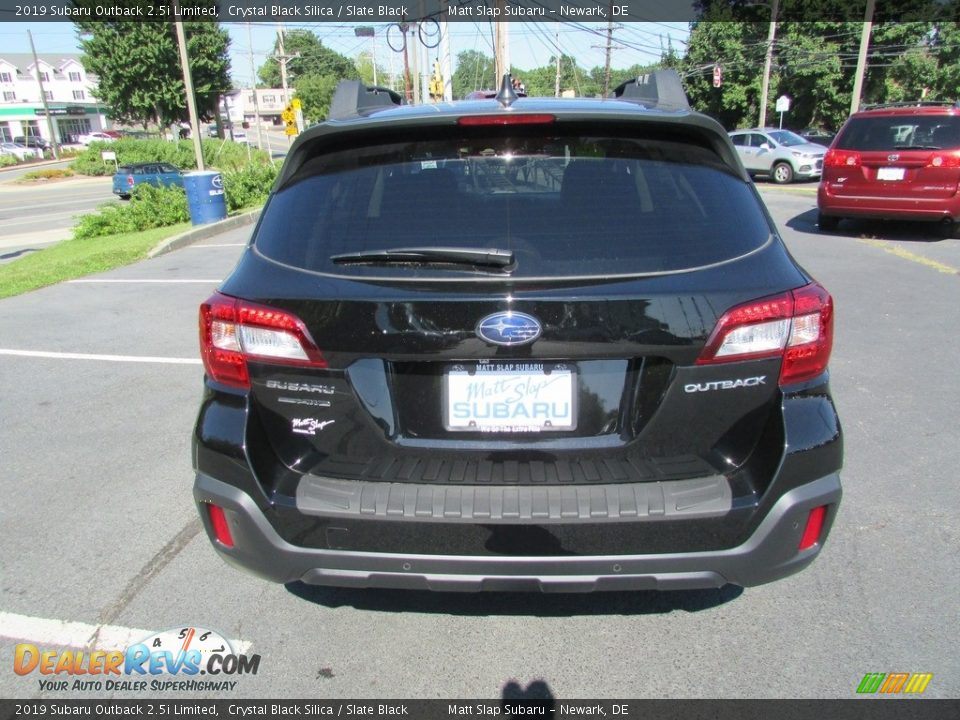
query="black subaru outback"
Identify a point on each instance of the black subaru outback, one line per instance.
(517, 343)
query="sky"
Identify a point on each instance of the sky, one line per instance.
(531, 44)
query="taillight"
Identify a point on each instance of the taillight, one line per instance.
(945, 160)
(233, 330)
(797, 326)
(129, 180)
(811, 533)
(221, 529)
(841, 158)
(506, 118)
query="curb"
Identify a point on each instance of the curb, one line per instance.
(31, 166)
(203, 232)
(793, 190)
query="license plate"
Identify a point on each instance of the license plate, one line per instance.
(504, 397)
(890, 173)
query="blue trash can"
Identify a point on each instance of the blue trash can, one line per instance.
(205, 196)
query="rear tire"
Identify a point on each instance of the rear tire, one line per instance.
(827, 223)
(782, 173)
(949, 230)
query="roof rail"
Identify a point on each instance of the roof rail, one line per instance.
(353, 98)
(661, 88)
(914, 103)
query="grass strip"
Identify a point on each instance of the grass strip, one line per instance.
(75, 258)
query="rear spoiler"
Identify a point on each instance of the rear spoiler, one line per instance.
(352, 99)
(660, 89)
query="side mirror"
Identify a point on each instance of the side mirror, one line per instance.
(765, 146)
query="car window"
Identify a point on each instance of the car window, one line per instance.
(758, 140)
(566, 206)
(785, 137)
(898, 132)
(740, 140)
(168, 169)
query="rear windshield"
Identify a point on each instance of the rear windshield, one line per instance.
(564, 206)
(900, 132)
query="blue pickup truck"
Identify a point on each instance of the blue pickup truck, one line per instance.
(156, 173)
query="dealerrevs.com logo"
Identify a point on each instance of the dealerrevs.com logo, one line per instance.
(172, 660)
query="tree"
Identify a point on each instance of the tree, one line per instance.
(474, 72)
(315, 93)
(307, 56)
(139, 76)
(364, 66)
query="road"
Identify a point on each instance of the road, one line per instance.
(99, 526)
(36, 215)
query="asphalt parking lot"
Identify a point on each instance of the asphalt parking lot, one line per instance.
(100, 386)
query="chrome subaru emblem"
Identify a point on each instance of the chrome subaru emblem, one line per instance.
(509, 328)
(893, 158)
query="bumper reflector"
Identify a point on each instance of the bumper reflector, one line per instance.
(811, 534)
(220, 527)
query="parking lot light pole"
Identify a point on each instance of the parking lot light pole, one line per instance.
(43, 99)
(188, 85)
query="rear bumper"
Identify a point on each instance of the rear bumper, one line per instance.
(882, 208)
(768, 554)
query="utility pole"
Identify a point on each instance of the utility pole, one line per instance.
(416, 63)
(188, 86)
(606, 67)
(556, 80)
(407, 90)
(282, 58)
(502, 49)
(43, 99)
(446, 62)
(862, 57)
(768, 61)
(253, 82)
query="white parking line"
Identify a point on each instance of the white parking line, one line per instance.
(62, 633)
(91, 281)
(108, 358)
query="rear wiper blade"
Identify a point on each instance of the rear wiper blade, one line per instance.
(917, 147)
(475, 257)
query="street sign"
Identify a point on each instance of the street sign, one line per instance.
(717, 76)
(107, 155)
(289, 116)
(783, 104)
(296, 104)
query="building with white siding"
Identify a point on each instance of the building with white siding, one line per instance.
(68, 90)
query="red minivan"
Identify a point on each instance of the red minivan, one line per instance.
(894, 162)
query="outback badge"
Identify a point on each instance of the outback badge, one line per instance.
(509, 328)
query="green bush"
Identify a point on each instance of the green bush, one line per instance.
(8, 160)
(149, 207)
(47, 174)
(220, 154)
(249, 186)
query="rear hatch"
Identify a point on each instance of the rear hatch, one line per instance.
(123, 180)
(510, 307)
(896, 156)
